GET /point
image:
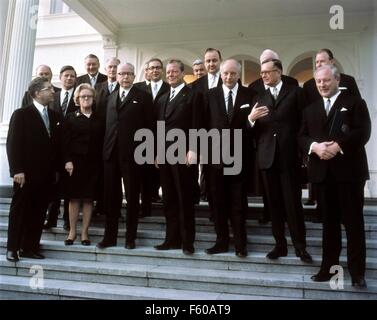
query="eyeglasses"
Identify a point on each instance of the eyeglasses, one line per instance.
(267, 72)
(155, 68)
(85, 97)
(130, 74)
(48, 88)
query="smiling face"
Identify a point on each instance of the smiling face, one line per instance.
(199, 70)
(155, 70)
(91, 66)
(327, 83)
(174, 75)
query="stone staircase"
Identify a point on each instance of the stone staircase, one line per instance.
(79, 272)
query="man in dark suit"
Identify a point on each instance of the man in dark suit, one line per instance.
(128, 110)
(41, 71)
(105, 88)
(334, 132)
(31, 150)
(93, 75)
(228, 108)
(347, 83)
(63, 104)
(275, 124)
(212, 61)
(178, 108)
(259, 87)
(151, 175)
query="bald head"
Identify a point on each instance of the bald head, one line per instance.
(268, 54)
(44, 71)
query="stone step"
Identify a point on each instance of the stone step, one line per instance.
(204, 225)
(256, 261)
(260, 243)
(17, 287)
(205, 280)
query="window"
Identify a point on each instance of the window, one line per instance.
(59, 7)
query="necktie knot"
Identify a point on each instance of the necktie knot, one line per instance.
(111, 87)
(123, 96)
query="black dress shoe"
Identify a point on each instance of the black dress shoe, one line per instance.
(105, 244)
(188, 250)
(130, 245)
(359, 282)
(167, 246)
(321, 276)
(31, 255)
(86, 242)
(69, 242)
(12, 256)
(304, 255)
(217, 249)
(241, 253)
(277, 252)
(49, 225)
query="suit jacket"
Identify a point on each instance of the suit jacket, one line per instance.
(278, 130)
(258, 85)
(216, 118)
(102, 95)
(30, 149)
(56, 105)
(348, 82)
(183, 112)
(82, 136)
(349, 124)
(201, 84)
(85, 79)
(28, 100)
(123, 119)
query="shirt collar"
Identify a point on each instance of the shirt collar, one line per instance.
(177, 89)
(234, 90)
(126, 91)
(332, 99)
(39, 106)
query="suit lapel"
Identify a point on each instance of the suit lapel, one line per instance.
(283, 92)
(175, 104)
(127, 100)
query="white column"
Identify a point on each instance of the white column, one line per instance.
(18, 19)
(21, 55)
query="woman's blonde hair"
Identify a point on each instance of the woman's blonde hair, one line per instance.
(79, 89)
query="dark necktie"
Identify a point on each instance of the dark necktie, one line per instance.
(65, 103)
(123, 96)
(172, 95)
(230, 105)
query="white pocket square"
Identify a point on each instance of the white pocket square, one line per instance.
(245, 106)
(343, 109)
(135, 101)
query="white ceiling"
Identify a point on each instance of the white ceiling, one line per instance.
(108, 16)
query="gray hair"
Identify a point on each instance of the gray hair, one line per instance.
(334, 70)
(268, 54)
(197, 62)
(113, 59)
(238, 65)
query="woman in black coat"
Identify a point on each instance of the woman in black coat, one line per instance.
(82, 136)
